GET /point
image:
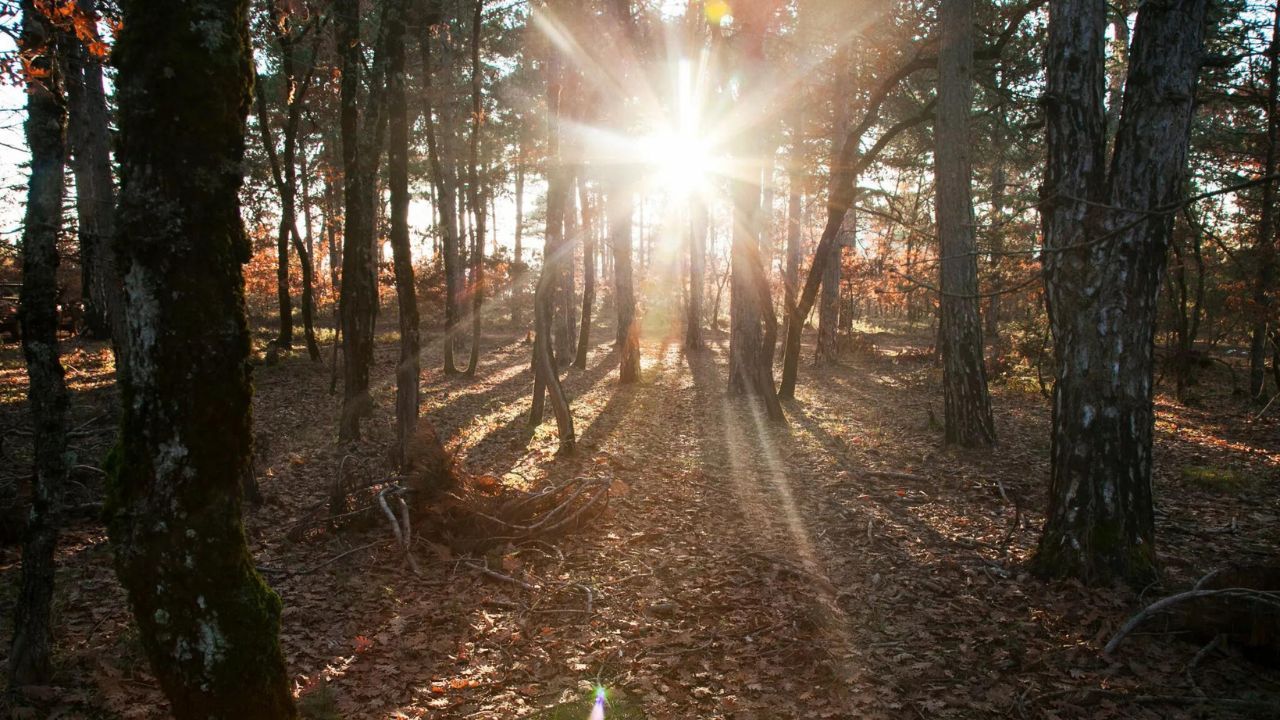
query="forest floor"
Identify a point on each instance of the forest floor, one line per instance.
(841, 565)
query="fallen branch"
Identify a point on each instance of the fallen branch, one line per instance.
(1261, 596)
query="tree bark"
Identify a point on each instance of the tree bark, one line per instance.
(207, 621)
(966, 403)
(827, 350)
(1106, 236)
(30, 661)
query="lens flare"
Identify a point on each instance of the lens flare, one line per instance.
(597, 710)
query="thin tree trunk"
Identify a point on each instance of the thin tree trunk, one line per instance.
(445, 179)
(1102, 272)
(30, 661)
(546, 372)
(588, 276)
(207, 621)
(361, 152)
(90, 141)
(693, 338)
(477, 194)
(620, 199)
(966, 403)
(408, 369)
(517, 265)
(827, 349)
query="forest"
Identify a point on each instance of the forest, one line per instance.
(586, 359)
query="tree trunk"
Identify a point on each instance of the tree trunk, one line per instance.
(207, 621)
(89, 136)
(1102, 270)
(477, 194)
(967, 406)
(795, 207)
(620, 199)
(30, 661)
(408, 369)
(693, 338)
(517, 263)
(1265, 251)
(361, 151)
(752, 323)
(827, 350)
(546, 373)
(444, 176)
(588, 276)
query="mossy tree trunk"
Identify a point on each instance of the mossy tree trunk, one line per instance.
(208, 623)
(1106, 235)
(30, 661)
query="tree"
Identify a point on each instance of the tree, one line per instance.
(296, 84)
(30, 662)
(588, 275)
(207, 621)
(967, 406)
(408, 370)
(1106, 233)
(753, 326)
(88, 135)
(546, 372)
(1265, 247)
(361, 153)
(477, 195)
(444, 176)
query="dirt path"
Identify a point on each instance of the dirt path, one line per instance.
(840, 565)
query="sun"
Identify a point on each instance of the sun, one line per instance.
(682, 162)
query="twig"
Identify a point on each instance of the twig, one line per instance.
(499, 576)
(1195, 661)
(892, 475)
(289, 573)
